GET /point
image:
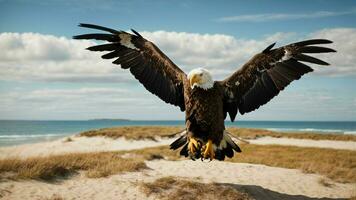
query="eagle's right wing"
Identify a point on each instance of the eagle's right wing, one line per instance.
(146, 62)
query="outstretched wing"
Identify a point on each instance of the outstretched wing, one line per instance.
(267, 73)
(146, 62)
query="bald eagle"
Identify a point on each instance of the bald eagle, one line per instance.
(207, 102)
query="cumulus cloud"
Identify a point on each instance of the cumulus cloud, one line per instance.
(33, 56)
(222, 54)
(283, 16)
(37, 57)
(344, 61)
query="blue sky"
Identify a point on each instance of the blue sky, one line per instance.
(46, 75)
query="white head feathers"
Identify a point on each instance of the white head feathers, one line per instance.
(200, 77)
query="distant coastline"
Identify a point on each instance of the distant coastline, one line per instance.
(106, 119)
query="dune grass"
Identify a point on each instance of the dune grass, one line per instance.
(174, 188)
(152, 132)
(338, 165)
(54, 197)
(134, 132)
(48, 168)
(249, 133)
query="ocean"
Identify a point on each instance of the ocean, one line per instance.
(14, 132)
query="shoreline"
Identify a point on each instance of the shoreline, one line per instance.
(53, 137)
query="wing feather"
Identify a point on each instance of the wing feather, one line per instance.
(157, 73)
(268, 73)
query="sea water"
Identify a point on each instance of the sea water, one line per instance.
(14, 132)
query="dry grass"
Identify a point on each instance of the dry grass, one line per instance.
(54, 197)
(152, 132)
(324, 182)
(152, 153)
(173, 188)
(47, 168)
(134, 132)
(249, 133)
(338, 165)
(68, 139)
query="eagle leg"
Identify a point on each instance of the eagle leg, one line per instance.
(209, 150)
(194, 148)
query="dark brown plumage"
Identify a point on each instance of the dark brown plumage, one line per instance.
(206, 103)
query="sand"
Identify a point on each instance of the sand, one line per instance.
(97, 144)
(78, 144)
(262, 182)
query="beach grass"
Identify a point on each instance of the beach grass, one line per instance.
(153, 132)
(179, 189)
(249, 133)
(134, 132)
(338, 165)
(58, 166)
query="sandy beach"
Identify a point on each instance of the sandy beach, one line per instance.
(259, 181)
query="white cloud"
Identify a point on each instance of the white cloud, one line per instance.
(222, 54)
(283, 16)
(344, 61)
(37, 57)
(31, 56)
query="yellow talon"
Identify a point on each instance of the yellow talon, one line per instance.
(193, 145)
(209, 150)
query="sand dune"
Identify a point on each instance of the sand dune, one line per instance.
(96, 144)
(261, 182)
(78, 144)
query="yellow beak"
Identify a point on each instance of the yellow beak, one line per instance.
(195, 79)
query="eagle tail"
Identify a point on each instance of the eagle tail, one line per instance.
(226, 148)
(180, 141)
(231, 143)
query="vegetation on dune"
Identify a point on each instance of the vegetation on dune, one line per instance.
(338, 165)
(54, 197)
(47, 168)
(134, 132)
(174, 188)
(152, 132)
(249, 133)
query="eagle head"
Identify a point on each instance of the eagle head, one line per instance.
(201, 78)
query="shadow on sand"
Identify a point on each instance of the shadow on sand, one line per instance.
(260, 193)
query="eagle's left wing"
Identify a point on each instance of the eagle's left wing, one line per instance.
(268, 73)
(157, 73)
